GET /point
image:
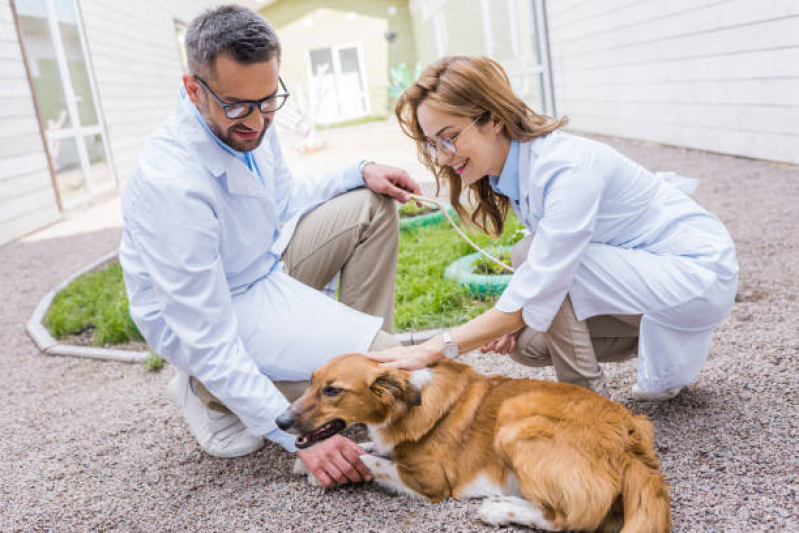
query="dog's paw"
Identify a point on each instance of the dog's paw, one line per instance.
(368, 447)
(513, 510)
(299, 469)
(497, 512)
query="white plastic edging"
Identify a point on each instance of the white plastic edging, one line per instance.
(50, 346)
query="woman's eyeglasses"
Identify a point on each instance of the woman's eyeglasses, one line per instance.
(447, 146)
(238, 110)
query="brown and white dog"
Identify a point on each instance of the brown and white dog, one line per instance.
(549, 455)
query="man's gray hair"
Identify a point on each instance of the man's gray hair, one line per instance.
(235, 31)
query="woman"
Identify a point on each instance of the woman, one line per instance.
(609, 238)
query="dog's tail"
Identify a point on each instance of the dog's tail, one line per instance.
(645, 494)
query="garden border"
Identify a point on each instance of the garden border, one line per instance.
(48, 345)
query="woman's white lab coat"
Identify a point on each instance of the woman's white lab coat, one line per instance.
(621, 240)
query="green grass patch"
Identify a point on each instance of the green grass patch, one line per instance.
(95, 300)
(424, 299)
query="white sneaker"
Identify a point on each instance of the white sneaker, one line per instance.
(218, 434)
(642, 395)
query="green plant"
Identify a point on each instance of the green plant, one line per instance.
(400, 79)
(483, 265)
(153, 362)
(411, 209)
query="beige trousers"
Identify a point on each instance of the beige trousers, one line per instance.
(573, 347)
(356, 234)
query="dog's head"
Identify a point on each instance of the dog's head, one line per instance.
(347, 390)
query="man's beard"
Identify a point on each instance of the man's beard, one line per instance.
(228, 138)
(242, 146)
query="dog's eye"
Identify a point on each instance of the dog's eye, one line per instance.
(331, 391)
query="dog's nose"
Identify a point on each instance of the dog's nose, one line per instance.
(285, 421)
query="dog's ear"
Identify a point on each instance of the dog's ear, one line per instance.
(391, 386)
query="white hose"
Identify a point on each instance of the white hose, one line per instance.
(461, 233)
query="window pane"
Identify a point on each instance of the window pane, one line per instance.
(76, 61)
(68, 175)
(100, 170)
(40, 52)
(323, 86)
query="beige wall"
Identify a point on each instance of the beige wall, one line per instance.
(304, 25)
(717, 76)
(27, 196)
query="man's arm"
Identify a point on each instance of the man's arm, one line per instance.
(298, 196)
(185, 311)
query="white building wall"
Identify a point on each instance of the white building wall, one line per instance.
(27, 196)
(133, 52)
(718, 75)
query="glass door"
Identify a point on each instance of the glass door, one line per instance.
(64, 88)
(338, 83)
(515, 35)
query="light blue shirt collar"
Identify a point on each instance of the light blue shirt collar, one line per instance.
(507, 184)
(245, 157)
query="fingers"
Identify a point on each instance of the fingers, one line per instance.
(351, 454)
(403, 365)
(376, 356)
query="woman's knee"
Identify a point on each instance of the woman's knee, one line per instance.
(531, 349)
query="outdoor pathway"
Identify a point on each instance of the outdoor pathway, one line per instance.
(88, 445)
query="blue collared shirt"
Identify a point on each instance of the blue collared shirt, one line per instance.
(507, 183)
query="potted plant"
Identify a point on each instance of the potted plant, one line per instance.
(482, 276)
(413, 216)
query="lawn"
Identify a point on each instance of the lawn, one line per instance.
(96, 302)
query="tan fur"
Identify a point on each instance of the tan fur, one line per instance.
(585, 462)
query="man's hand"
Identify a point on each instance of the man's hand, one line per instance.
(503, 345)
(335, 461)
(391, 181)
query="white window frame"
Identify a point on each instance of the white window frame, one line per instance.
(334, 50)
(77, 131)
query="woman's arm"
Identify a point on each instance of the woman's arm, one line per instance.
(475, 333)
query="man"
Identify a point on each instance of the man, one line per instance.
(224, 253)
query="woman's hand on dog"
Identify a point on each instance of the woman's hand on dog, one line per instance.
(335, 461)
(407, 357)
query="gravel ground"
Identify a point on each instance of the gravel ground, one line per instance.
(88, 445)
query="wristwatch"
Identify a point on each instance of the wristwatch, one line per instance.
(362, 165)
(451, 350)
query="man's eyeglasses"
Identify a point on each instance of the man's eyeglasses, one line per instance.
(447, 146)
(238, 110)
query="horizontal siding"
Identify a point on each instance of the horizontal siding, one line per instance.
(27, 197)
(701, 73)
(137, 68)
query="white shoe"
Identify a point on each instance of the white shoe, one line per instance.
(642, 395)
(218, 434)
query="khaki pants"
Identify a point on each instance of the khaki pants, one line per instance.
(356, 234)
(572, 347)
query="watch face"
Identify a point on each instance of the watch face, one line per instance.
(450, 350)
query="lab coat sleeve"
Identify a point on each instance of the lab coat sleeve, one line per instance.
(296, 197)
(539, 286)
(186, 311)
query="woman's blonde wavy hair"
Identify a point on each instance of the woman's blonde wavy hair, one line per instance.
(477, 88)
